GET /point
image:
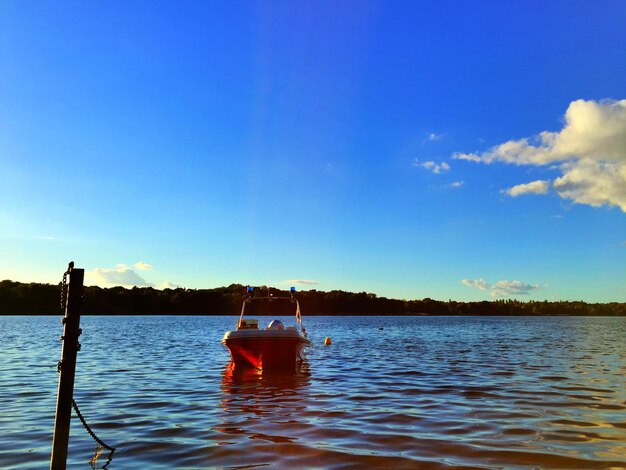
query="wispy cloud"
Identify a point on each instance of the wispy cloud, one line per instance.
(120, 276)
(502, 288)
(535, 187)
(169, 285)
(434, 136)
(477, 283)
(300, 282)
(512, 288)
(432, 166)
(143, 265)
(590, 153)
(456, 184)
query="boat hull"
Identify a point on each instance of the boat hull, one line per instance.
(263, 349)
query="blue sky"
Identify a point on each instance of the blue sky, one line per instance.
(453, 150)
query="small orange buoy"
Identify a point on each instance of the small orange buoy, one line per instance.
(327, 341)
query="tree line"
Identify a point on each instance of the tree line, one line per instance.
(44, 299)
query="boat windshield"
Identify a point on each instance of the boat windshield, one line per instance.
(275, 306)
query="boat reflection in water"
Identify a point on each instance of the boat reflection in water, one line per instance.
(263, 405)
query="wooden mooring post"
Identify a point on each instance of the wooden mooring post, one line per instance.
(67, 368)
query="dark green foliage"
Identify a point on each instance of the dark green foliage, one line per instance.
(43, 299)
(17, 297)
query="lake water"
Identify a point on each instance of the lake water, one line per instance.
(423, 392)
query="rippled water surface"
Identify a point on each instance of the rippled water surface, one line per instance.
(396, 392)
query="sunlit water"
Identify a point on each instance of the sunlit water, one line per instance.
(396, 392)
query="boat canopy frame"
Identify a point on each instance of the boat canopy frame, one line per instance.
(271, 298)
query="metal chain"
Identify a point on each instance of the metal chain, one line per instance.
(64, 291)
(63, 301)
(89, 430)
(70, 266)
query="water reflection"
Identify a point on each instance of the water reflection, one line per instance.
(262, 404)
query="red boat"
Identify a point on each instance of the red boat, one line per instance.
(275, 347)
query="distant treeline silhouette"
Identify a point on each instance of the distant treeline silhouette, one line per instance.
(44, 299)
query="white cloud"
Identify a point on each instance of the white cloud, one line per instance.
(301, 282)
(478, 283)
(169, 285)
(590, 152)
(594, 183)
(512, 288)
(535, 187)
(432, 166)
(456, 184)
(142, 265)
(502, 288)
(121, 276)
(434, 136)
